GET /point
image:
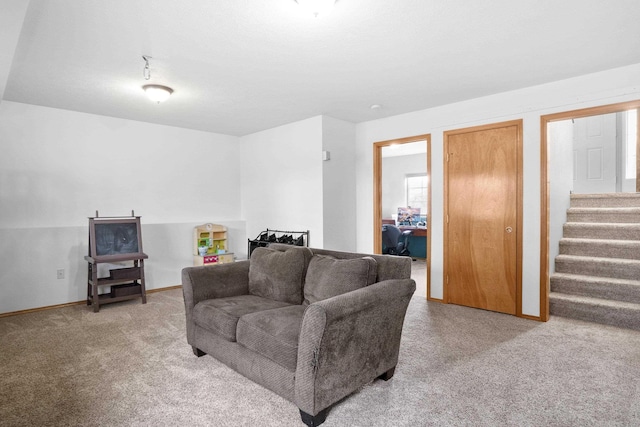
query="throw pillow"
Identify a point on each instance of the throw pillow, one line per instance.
(277, 275)
(328, 276)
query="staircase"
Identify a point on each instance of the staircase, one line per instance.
(597, 276)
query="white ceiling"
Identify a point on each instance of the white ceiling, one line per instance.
(241, 66)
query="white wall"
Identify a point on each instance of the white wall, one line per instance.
(11, 19)
(626, 141)
(529, 104)
(58, 167)
(560, 154)
(339, 185)
(287, 186)
(281, 179)
(394, 172)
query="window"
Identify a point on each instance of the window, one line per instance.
(631, 137)
(416, 185)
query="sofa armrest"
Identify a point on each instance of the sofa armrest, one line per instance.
(207, 282)
(349, 340)
(219, 281)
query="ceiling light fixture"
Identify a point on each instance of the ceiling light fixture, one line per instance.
(317, 7)
(146, 72)
(156, 93)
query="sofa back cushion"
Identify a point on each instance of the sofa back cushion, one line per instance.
(328, 276)
(389, 266)
(277, 275)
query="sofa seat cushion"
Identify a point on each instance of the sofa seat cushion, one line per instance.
(273, 334)
(278, 275)
(328, 276)
(220, 315)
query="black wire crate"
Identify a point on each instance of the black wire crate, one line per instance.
(294, 238)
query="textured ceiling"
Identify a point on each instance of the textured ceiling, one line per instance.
(241, 66)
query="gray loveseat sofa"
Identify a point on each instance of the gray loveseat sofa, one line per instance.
(311, 325)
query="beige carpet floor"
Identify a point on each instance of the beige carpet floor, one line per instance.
(419, 274)
(129, 365)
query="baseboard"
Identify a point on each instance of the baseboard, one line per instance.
(168, 288)
(69, 304)
(531, 317)
(524, 316)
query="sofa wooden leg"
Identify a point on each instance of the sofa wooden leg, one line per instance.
(387, 375)
(314, 420)
(198, 352)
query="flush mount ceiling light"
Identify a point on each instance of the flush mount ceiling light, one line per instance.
(156, 93)
(317, 7)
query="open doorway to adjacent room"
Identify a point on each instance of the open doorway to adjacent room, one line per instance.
(402, 201)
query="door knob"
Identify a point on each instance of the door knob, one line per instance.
(508, 229)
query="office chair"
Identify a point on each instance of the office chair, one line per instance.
(394, 241)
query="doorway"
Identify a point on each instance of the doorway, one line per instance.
(483, 217)
(401, 177)
(556, 183)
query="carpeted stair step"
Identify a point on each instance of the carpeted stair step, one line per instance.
(626, 249)
(600, 267)
(597, 274)
(616, 231)
(614, 313)
(596, 287)
(615, 215)
(611, 200)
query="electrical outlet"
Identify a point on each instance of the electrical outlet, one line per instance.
(60, 273)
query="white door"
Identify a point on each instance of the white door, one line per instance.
(594, 154)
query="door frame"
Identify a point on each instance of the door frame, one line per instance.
(377, 195)
(545, 184)
(519, 204)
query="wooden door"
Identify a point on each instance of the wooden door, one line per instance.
(483, 217)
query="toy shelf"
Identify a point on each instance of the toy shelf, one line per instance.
(214, 241)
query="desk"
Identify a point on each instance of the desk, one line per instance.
(416, 231)
(417, 241)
